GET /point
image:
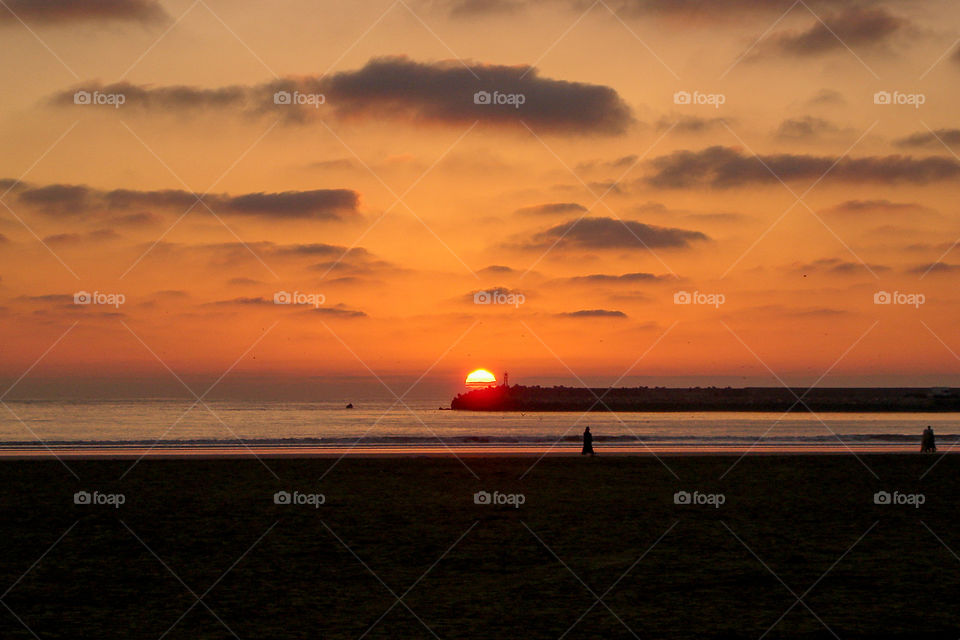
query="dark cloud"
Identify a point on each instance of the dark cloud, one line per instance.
(474, 8)
(250, 100)
(836, 266)
(352, 263)
(59, 298)
(827, 97)
(943, 268)
(319, 204)
(337, 311)
(936, 139)
(444, 92)
(874, 207)
(720, 216)
(622, 162)
(660, 209)
(691, 11)
(653, 207)
(940, 247)
(243, 301)
(397, 88)
(725, 167)
(338, 259)
(816, 312)
(66, 11)
(316, 249)
(626, 278)
(853, 27)
(605, 187)
(496, 269)
(593, 313)
(552, 208)
(81, 238)
(806, 128)
(780, 311)
(712, 9)
(142, 219)
(339, 163)
(691, 124)
(610, 233)
(495, 294)
(56, 198)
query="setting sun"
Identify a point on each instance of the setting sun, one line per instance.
(481, 378)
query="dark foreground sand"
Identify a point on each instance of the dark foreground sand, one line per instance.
(285, 571)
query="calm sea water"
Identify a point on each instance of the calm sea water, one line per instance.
(174, 422)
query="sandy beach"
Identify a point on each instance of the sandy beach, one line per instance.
(610, 527)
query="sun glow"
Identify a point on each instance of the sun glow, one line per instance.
(481, 378)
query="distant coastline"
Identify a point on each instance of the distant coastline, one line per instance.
(880, 399)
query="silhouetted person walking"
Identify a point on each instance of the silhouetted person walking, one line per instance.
(587, 443)
(928, 444)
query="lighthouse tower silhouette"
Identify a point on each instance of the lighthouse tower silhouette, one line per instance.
(506, 378)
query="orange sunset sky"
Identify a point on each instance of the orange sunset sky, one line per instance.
(188, 162)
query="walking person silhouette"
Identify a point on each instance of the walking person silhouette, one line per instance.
(587, 443)
(928, 443)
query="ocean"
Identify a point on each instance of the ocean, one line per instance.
(175, 424)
